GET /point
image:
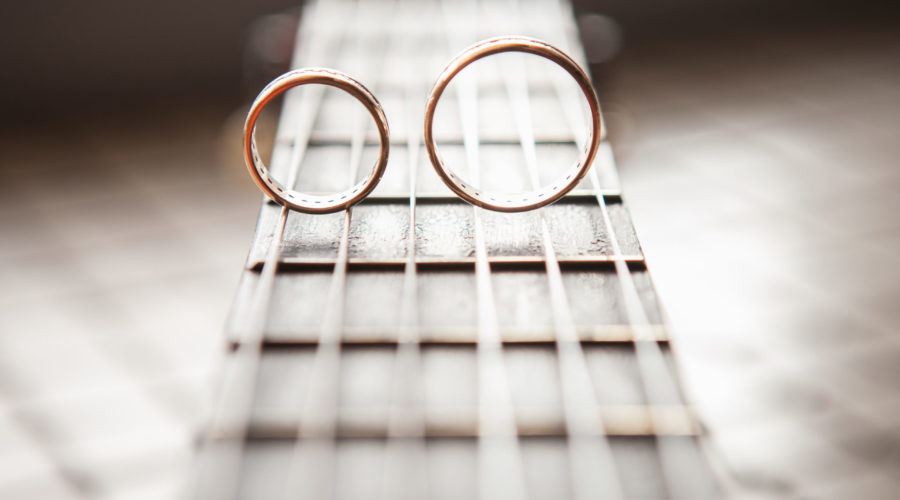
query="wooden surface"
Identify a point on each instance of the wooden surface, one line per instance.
(416, 346)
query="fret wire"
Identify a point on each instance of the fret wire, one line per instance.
(659, 384)
(326, 139)
(614, 335)
(445, 197)
(523, 261)
(619, 420)
(592, 465)
(313, 459)
(234, 408)
(405, 444)
(501, 469)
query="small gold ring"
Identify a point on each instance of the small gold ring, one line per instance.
(286, 195)
(516, 202)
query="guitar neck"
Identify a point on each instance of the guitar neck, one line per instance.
(415, 346)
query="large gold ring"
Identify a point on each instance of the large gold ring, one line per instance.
(286, 195)
(515, 202)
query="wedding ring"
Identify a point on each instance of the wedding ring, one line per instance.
(513, 202)
(286, 195)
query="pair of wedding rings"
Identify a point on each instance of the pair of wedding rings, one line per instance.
(502, 202)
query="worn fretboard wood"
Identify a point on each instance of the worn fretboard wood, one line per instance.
(418, 347)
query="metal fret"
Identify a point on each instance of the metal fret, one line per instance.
(621, 421)
(522, 261)
(596, 336)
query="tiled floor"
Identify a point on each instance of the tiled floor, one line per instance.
(763, 177)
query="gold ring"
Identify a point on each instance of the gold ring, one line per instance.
(286, 195)
(516, 202)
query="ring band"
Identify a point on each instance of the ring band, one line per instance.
(286, 195)
(516, 202)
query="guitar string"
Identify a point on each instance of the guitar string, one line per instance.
(406, 448)
(314, 460)
(232, 412)
(500, 465)
(658, 381)
(592, 464)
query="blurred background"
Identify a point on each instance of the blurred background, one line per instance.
(758, 147)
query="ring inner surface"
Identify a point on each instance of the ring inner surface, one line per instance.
(301, 198)
(512, 200)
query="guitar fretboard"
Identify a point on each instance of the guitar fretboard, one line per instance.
(418, 347)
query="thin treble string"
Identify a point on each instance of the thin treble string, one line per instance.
(313, 461)
(658, 383)
(405, 447)
(231, 417)
(719, 468)
(592, 465)
(501, 471)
